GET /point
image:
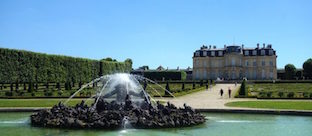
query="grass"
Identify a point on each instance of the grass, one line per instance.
(294, 105)
(36, 102)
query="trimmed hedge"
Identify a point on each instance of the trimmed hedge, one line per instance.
(25, 66)
(167, 75)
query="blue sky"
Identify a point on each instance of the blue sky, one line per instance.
(156, 32)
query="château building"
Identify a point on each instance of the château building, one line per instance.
(235, 62)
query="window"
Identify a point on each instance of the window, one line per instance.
(271, 73)
(204, 53)
(205, 74)
(197, 63)
(197, 54)
(197, 74)
(271, 63)
(262, 52)
(220, 53)
(263, 74)
(205, 64)
(254, 63)
(254, 52)
(247, 63)
(254, 74)
(212, 53)
(233, 61)
(247, 53)
(263, 63)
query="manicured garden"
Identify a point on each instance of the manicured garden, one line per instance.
(279, 90)
(294, 105)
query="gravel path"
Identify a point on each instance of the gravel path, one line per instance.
(208, 99)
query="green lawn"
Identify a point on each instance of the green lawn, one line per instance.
(36, 102)
(295, 105)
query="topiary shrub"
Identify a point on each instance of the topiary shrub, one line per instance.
(291, 95)
(242, 90)
(8, 94)
(33, 94)
(280, 94)
(269, 94)
(262, 94)
(168, 89)
(183, 86)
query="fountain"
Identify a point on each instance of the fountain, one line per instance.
(120, 102)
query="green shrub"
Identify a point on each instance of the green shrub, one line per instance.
(262, 94)
(60, 93)
(291, 95)
(33, 94)
(48, 93)
(8, 93)
(306, 94)
(280, 94)
(242, 91)
(269, 94)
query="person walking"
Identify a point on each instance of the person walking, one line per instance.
(230, 91)
(221, 92)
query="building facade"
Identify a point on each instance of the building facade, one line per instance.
(235, 62)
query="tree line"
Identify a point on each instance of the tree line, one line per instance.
(290, 70)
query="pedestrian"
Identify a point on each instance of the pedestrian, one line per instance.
(221, 92)
(230, 91)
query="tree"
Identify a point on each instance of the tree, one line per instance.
(242, 91)
(108, 59)
(290, 71)
(168, 89)
(307, 68)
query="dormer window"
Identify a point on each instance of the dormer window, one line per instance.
(270, 52)
(262, 52)
(212, 53)
(197, 54)
(247, 53)
(204, 53)
(254, 52)
(220, 53)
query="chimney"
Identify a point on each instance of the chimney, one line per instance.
(242, 46)
(263, 45)
(224, 46)
(214, 47)
(209, 46)
(258, 45)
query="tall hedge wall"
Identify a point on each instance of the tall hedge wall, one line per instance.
(167, 75)
(25, 66)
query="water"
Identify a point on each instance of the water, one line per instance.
(218, 124)
(116, 86)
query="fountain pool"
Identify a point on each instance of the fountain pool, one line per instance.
(218, 124)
